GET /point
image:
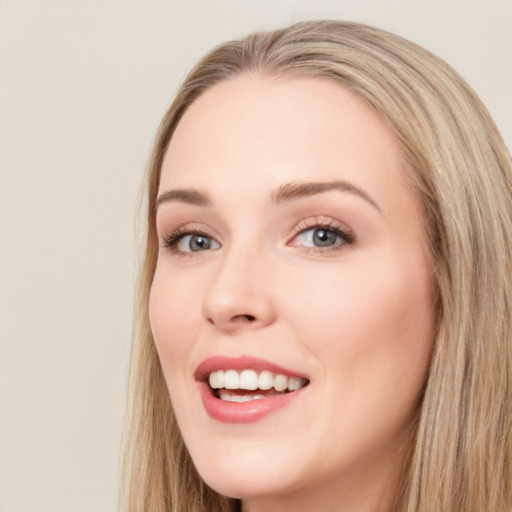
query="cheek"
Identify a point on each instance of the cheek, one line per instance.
(172, 307)
(372, 327)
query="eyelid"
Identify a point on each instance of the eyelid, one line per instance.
(212, 243)
(172, 237)
(329, 224)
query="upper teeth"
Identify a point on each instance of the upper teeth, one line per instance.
(251, 380)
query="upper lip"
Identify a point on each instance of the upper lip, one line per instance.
(215, 363)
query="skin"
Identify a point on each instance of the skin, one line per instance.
(356, 318)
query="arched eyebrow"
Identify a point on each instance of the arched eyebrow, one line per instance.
(287, 192)
(297, 190)
(183, 195)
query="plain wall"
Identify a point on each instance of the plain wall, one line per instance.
(83, 85)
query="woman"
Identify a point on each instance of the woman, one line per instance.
(324, 304)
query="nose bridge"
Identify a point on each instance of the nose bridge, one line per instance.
(238, 295)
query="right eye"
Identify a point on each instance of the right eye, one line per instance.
(187, 242)
(195, 243)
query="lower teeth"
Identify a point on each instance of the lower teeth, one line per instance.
(239, 398)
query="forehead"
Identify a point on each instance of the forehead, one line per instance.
(255, 132)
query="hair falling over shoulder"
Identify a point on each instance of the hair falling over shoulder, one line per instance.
(461, 170)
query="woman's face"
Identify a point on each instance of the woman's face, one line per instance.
(292, 254)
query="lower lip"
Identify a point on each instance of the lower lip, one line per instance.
(243, 412)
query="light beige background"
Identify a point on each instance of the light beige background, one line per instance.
(83, 85)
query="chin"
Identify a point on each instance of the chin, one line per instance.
(246, 473)
(246, 486)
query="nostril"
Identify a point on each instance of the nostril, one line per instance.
(235, 319)
(243, 318)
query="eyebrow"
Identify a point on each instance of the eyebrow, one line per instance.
(297, 190)
(287, 192)
(183, 195)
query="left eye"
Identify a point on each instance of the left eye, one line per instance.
(320, 237)
(196, 243)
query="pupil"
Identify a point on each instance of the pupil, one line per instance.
(324, 237)
(199, 243)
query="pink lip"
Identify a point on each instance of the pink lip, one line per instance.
(241, 412)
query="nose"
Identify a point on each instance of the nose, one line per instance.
(240, 293)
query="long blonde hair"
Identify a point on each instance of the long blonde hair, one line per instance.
(461, 170)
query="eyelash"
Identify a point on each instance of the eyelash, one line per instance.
(172, 240)
(347, 237)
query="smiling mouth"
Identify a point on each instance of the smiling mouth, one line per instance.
(248, 385)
